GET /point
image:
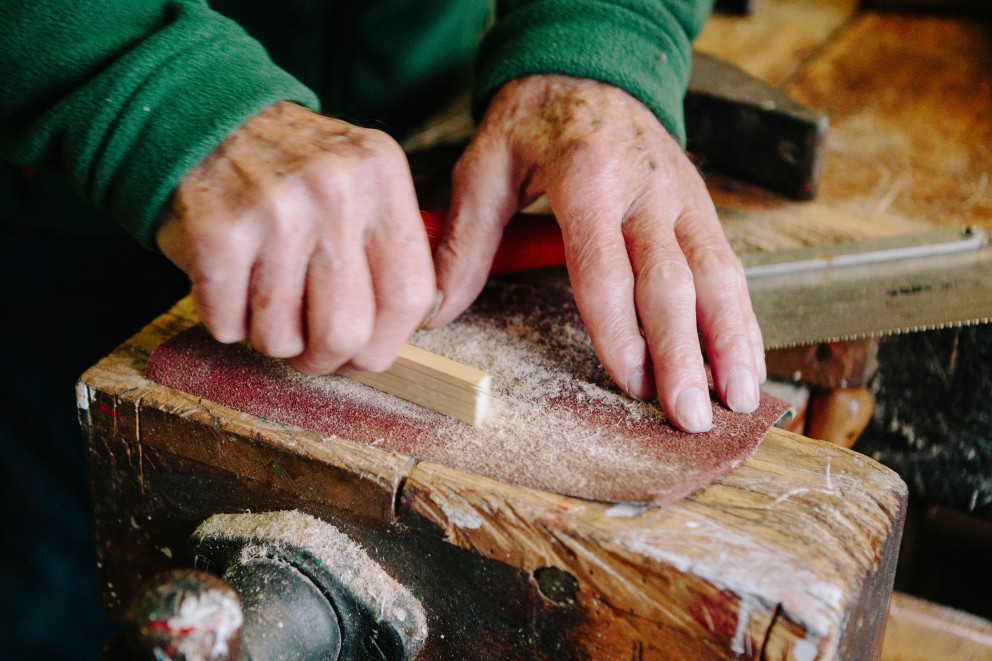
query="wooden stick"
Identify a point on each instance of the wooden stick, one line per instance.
(434, 382)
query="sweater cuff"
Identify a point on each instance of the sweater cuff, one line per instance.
(646, 54)
(214, 81)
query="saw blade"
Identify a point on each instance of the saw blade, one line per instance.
(872, 288)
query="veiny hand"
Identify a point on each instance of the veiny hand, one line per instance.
(644, 248)
(302, 234)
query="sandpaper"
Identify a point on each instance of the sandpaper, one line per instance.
(556, 423)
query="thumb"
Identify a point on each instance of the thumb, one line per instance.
(483, 199)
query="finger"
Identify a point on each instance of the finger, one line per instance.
(603, 285)
(340, 304)
(402, 274)
(666, 301)
(754, 333)
(278, 280)
(219, 266)
(484, 197)
(720, 308)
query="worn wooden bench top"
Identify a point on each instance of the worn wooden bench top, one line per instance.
(791, 555)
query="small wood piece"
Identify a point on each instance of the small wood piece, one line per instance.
(434, 382)
(839, 416)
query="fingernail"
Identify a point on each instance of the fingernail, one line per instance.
(742, 391)
(693, 411)
(438, 301)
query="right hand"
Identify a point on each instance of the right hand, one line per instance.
(302, 234)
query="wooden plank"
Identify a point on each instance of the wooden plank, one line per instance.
(434, 382)
(790, 556)
(920, 630)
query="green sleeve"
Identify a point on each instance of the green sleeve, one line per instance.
(127, 96)
(641, 46)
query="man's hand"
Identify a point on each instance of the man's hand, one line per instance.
(302, 234)
(646, 255)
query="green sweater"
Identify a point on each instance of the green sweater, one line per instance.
(105, 105)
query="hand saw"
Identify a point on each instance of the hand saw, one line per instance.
(845, 291)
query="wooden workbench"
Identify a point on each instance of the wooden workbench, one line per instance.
(790, 556)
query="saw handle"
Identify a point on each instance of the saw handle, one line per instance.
(529, 242)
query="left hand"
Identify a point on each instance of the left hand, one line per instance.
(643, 244)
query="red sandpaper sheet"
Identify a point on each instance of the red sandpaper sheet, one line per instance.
(556, 423)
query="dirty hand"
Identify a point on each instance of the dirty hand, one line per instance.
(302, 234)
(644, 248)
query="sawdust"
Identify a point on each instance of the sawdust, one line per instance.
(333, 551)
(556, 422)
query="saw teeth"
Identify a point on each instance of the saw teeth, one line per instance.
(943, 325)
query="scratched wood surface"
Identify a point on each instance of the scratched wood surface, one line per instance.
(790, 556)
(908, 97)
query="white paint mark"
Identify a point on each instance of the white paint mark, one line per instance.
(974, 501)
(743, 614)
(82, 397)
(828, 594)
(692, 525)
(210, 618)
(805, 650)
(785, 496)
(830, 484)
(799, 589)
(625, 510)
(460, 513)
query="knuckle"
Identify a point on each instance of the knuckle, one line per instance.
(383, 149)
(341, 341)
(594, 147)
(724, 342)
(675, 356)
(220, 326)
(331, 176)
(413, 297)
(275, 344)
(717, 262)
(587, 252)
(666, 271)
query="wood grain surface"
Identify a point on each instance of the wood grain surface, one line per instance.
(908, 97)
(789, 556)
